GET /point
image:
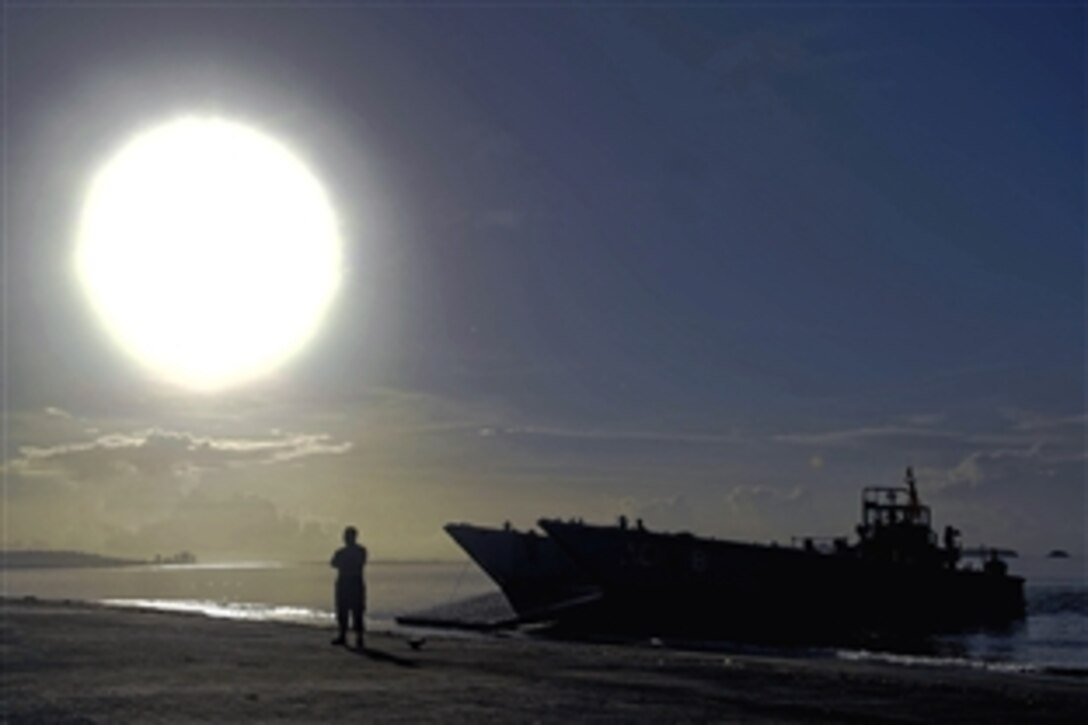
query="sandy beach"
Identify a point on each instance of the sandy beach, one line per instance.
(67, 662)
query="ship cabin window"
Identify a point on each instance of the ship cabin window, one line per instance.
(892, 508)
(881, 516)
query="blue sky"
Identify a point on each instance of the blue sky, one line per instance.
(720, 267)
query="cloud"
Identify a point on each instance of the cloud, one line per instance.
(1027, 430)
(922, 419)
(602, 434)
(155, 450)
(238, 526)
(286, 447)
(967, 472)
(761, 512)
(1025, 447)
(1025, 421)
(858, 436)
(215, 527)
(156, 490)
(1022, 468)
(760, 495)
(975, 468)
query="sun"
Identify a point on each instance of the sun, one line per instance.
(209, 251)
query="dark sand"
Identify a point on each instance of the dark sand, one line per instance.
(71, 662)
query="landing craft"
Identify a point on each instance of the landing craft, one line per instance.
(894, 578)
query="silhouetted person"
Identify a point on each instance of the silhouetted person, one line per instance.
(349, 561)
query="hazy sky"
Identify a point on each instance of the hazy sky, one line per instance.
(715, 267)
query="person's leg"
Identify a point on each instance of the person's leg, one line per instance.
(341, 616)
(357, 617)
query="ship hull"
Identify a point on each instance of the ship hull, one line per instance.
(536, 576)
(659, 583)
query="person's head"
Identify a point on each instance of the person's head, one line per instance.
(350, 535)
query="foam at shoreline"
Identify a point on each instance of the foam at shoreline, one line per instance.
(908, 660)
(245, 611)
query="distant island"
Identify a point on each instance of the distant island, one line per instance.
(182, 557)
(81, 560)
(1058, 554)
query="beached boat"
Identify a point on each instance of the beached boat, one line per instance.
(894, 578)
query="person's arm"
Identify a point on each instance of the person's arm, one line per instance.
(335, 563)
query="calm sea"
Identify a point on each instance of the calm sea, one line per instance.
(1053, 637)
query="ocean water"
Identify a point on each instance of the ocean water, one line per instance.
(1054, 636)
(277, 591)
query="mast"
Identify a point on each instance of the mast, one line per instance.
(914, 506)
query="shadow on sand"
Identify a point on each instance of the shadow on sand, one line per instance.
(382, 656)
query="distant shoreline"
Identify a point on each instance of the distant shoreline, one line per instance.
(53, 559)
(31, 559)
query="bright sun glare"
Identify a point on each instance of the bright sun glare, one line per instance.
(209, 251)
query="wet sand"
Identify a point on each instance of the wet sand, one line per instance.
(80, 663)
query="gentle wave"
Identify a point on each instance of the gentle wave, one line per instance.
(936, 661)
(218, 566)
(248, 611)
(1058, 600)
